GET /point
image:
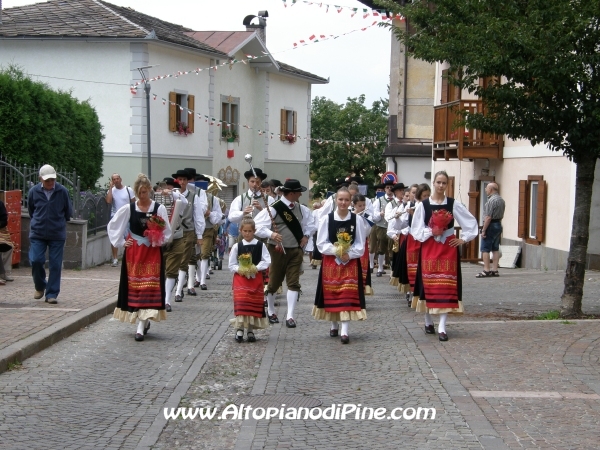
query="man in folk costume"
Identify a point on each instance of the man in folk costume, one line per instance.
(276, 186)
(177, 253)
(251, 202)
(294, 224)
(379, 190)
(381, 246)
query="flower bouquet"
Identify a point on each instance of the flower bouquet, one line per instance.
(246, 268)
(439, 223)
(154, 231)
(344, 241)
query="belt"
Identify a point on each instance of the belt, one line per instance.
(495, 220)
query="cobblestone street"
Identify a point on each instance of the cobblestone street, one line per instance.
(497, 383)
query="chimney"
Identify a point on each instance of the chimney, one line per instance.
(261, 27)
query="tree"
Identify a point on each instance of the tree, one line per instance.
(547, 55)
(40, 125)
(352, 139)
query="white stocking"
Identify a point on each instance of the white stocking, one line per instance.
(428, 319)
(198, 270)
(203, 271)
(270, 304)
(169, 285)
(292, 298)
(380, 262)
(334, 325)
(442, 325)
(345, 324)
(141, 326)
(191, 275)
(180, 282)
(372, 260)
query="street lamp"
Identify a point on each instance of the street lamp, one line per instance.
(147, 91)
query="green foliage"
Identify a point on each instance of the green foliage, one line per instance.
(352, 122)
(549, 315)
(42, 126)
(546, 52)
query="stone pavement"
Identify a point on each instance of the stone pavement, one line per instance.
(497, 383)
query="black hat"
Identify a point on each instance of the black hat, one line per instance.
(379, 186)
(259, 173)
(171, 182)
(191, 171)
(388, 183)
(292, 185)
(183, 173)
(276, 183)
(341, 182)
(201, 177)
(357, 180)
(398, 186)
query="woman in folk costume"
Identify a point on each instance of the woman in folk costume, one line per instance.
(340, 292)
(438, 283)
(142, 286)
(247, 260)
(394, 232)
(359, 205)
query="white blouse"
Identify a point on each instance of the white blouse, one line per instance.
(327, 248)
(462, 216)
(120, 222)
(265, 259)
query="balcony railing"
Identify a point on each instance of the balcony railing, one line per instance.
(457, 142)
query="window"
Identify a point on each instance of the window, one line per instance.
(532, 209)
(180, 107)
(289, 125)
(450, 92)
(230, 117)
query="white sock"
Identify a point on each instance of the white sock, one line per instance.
(428, 319)
(380, 262)
(334, 325)
(169, 285)
(191, 276)
(345, 324)
(292, 298)
(198, 267)
(270, 304)
(442, 325)
(203, 271)
(372, 259)
(180, 282)
(141, 326)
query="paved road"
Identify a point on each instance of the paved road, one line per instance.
(495, 384)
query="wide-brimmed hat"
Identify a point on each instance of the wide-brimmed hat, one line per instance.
(292, 185)
(379, 186)
(259, 173)
(201, 177)
(47, 172)
(276, 183)
(398, 186)
(171, 182)
(191, 171)
(388, 183)
(183, 173)
(341, 182)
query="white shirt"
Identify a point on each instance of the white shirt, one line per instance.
(263, 221)
(216, 214)
(391, 210)
(462, 216)
(265, 259)
(377, 210)
(120, 198)
(119, 223)
(236, 212)
(327, 248)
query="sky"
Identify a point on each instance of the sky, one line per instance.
(356, 63)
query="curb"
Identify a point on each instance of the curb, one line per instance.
(43, 339)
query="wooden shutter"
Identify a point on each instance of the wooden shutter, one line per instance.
(283, 127)
(540, 212)
(172, 111)
(295, 115)
(450, 187)
(523, 200)
(444, 98)
(191, 106)
(453, 90)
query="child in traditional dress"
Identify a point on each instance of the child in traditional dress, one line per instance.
(247, 259)
(359, 204)
(340, 292)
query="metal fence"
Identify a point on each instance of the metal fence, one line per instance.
(86, 205)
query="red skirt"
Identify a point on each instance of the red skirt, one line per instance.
(340, 285)
(413, 247)
(143, 265)
(248, 296)
(438, 276)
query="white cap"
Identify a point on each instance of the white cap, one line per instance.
(47, 171)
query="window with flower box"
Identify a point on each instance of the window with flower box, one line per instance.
(181, 113)
(230, 117)
(289, 125)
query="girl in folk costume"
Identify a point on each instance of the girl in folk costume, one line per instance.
(438, 284)
(340, 292)
(142, 286)
(396, 234)
(359, 205)
(247, 259)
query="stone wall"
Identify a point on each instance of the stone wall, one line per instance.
(545, 258)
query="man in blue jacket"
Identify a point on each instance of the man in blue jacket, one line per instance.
(49, 209)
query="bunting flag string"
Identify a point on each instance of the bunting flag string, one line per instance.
(313, 39)
(364, 12)
(223, 125)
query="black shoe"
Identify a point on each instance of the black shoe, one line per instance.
(178, 298)
(273, 319)
(379, 274)
(203, 287)
(239, 338)
(192, 292)
(333, 333)
(371, 270)
(196, 284)
(168, 307)
(210, 271)
(146, 329)
(290, 323)
(52, 301)
(139, 337)
(345, 339)
(207, 276)
(251, 337)
(443, 337)
(429, 329)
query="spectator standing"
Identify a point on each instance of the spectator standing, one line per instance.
(6, 247)
(49, 209)
(118, 195)
(493, 213)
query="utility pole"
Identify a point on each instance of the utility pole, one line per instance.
(148, 140)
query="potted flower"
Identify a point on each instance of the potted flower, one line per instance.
(182, 128)
(290, 138)
(230, 135)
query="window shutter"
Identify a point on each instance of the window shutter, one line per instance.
(523, 219)
(295, 114)
(540, 212)
(444, 86)
(283, 128)
(172, 111)
(453, 90)
(190, 118)
(450, 187)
